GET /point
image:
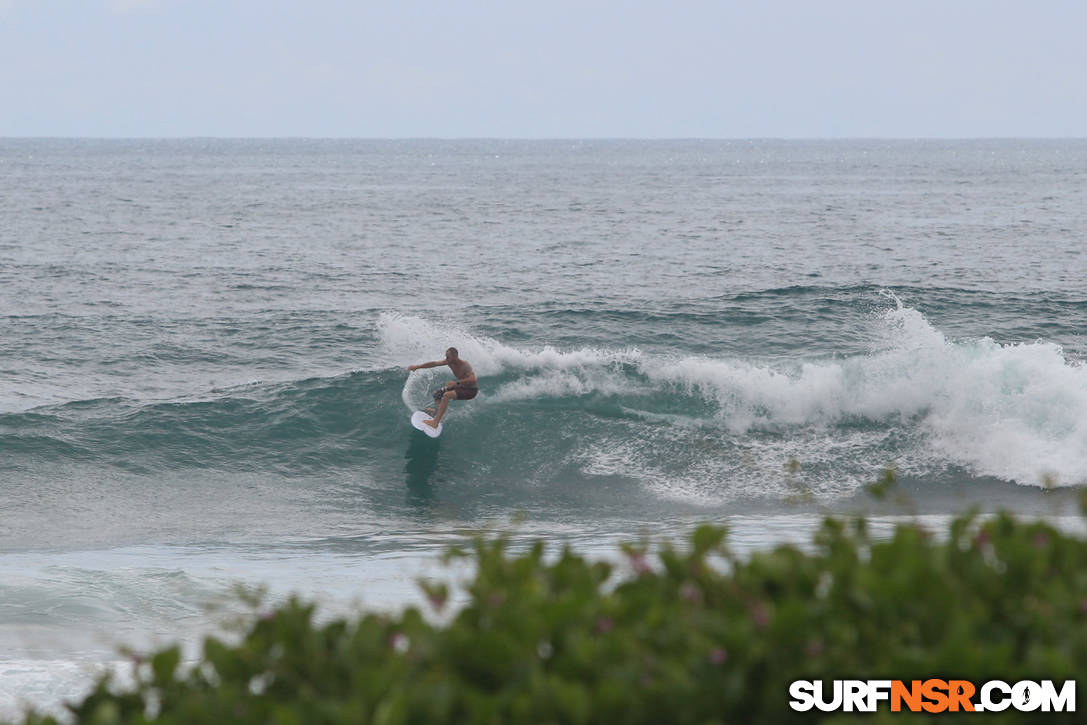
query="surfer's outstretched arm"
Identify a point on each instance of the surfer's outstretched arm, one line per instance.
(434, 364)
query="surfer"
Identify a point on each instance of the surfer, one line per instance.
(464, 387)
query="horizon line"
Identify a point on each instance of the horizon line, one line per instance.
(533, 138)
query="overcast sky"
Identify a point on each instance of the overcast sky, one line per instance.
(550, 68)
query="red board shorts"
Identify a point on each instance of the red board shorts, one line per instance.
(464, 392)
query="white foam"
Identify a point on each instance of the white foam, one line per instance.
(44, 685)
(410, 340)
(1013, 411)
(563, 383)
(145, 597)
(1017, 412)
(407, 340)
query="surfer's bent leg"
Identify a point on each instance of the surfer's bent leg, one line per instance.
(449, 395)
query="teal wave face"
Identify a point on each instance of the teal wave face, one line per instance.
(301, 426)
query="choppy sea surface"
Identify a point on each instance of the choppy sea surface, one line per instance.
(203, 371)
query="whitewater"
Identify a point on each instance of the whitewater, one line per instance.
(206, 345)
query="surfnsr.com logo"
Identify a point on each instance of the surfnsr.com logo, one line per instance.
(933, 695)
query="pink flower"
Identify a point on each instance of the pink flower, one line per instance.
(718, 656)
(399, 642)
(640, 564)
(690, 592)
(760, 616)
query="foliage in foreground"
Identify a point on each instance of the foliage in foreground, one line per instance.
(700, 636)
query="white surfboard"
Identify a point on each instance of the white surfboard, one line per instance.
(417, 419)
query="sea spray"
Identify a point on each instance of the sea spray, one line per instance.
(1013, 411)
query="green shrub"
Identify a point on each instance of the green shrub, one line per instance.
(696, 635)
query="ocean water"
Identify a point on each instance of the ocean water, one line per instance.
(203, 371)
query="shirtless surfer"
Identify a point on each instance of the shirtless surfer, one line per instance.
(464, 387)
